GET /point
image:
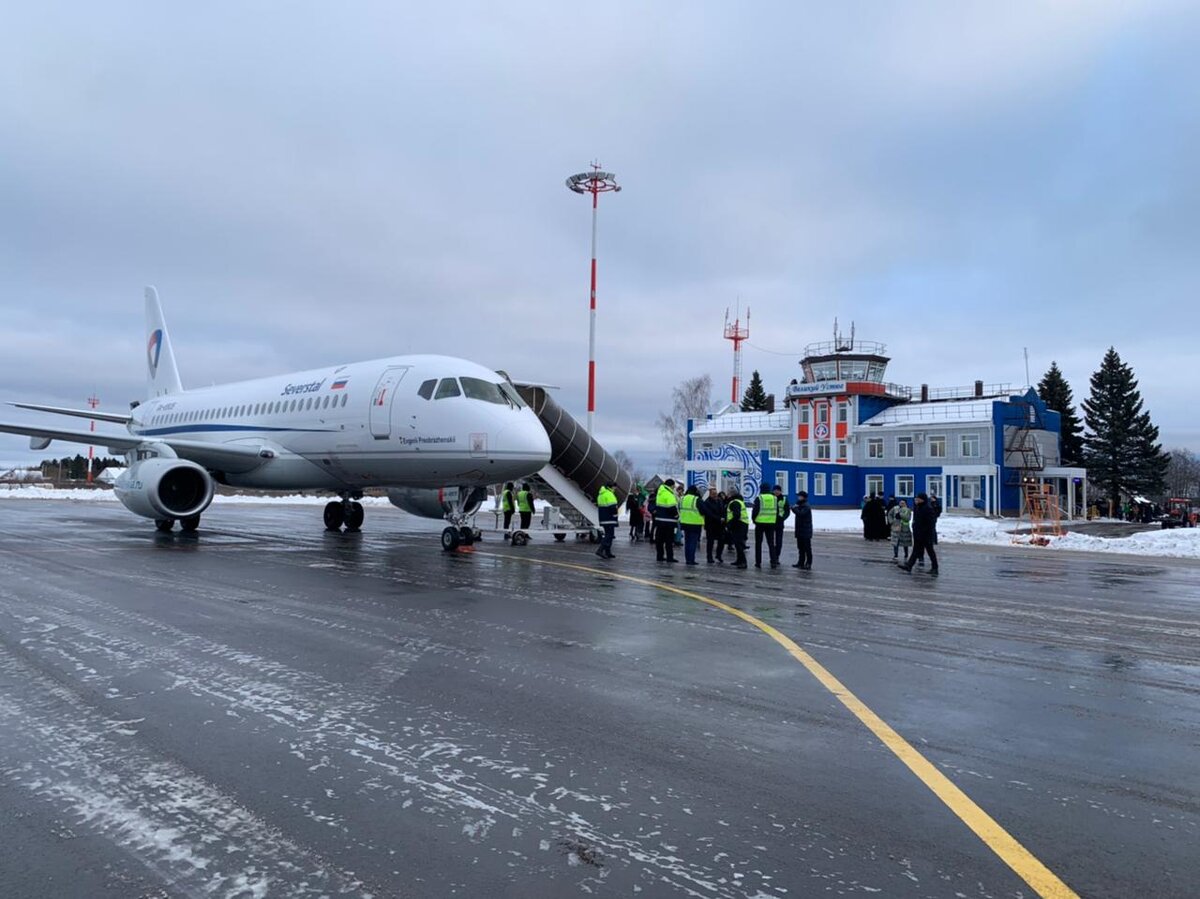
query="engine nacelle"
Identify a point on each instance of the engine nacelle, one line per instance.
(437, 503)
(164, 488)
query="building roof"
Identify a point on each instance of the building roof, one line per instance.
(942, 412)
(744, 422)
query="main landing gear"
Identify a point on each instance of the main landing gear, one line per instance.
(347, 512)
(188, 525)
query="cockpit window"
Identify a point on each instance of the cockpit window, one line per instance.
(426, 389)
(448, 387)
(513, 396)
(479, 389)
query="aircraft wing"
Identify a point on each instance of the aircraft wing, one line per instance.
(115, 417)
(232, 457)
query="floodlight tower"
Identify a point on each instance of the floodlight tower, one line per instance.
(93, 401)
(595, 182)
(737, 332)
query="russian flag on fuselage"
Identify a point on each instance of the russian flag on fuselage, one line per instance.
(339, 384)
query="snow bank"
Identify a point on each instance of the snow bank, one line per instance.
(1183, 543)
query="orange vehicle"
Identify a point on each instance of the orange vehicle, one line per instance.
(1180, 513)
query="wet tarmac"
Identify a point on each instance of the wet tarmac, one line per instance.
(268, 710)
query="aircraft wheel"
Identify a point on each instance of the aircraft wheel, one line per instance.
(354, 517)
(164, 524)
(190, 524)
(465, 536)
(334, 515)
(450, 539)
(560, 538)
(593, 537)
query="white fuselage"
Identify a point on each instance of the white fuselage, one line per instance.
(416, 421)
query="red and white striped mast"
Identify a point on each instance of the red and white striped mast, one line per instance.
(737, 332)
(93, 401)
(595, 183)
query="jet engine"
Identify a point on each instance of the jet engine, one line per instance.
(164, 489)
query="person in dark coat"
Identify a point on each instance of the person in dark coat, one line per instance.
(784, 511)
(802, 512)
(737, 528)
(865, 516)
(712, 507)
(633, 505)
(874, 516)
(924, 527)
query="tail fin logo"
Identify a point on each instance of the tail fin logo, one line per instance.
(153, 350)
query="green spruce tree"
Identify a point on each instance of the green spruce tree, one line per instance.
(1056, 394)
(1120, 446)
(755, 397)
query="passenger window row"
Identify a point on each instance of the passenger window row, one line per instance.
(277, 407)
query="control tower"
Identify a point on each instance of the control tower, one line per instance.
(843, 385)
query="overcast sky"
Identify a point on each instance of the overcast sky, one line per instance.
(309, 184)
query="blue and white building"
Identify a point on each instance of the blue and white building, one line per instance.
(845, 432)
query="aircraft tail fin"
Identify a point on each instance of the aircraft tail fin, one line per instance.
(162, 375)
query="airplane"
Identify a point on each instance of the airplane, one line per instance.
(414, 424)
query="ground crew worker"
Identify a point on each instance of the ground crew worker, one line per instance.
(737, 526)
(783, 511)
(508, 504)
(606, 506)
(692, 521)
(666, 515)
(525, 505)
(765, 514)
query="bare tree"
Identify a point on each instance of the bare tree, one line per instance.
(626, 464)
(1183, 474)
(690, 399)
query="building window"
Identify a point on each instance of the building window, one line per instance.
(804, 449)
(775, 448)
(937, 447)
(933, 484)
(705, 446)
(801, 482)
(968, 488)
(818, 483)
(752, 446)
(841, 450)
(904, 447)
(822, 450)
(875, 448)
(970, 446)
(822, 413)
(904, 485)
(875, 484)
(843, 412)
(804, 407)
(835, 484)
(781, 480)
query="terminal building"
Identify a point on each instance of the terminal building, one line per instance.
(845, 432)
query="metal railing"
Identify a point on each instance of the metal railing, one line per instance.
(831, 347)
(964, 393)
(936, 412)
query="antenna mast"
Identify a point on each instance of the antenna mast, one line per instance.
(737, 332)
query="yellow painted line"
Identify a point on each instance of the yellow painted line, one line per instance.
(1040, 878)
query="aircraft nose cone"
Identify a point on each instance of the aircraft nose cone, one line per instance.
(524, 443)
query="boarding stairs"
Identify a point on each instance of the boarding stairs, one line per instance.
(1045, 514)
(578, 467)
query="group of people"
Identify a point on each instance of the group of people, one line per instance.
(517, 501)
(723, 520)
(913, 531)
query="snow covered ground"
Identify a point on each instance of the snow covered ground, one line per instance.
(952, 528)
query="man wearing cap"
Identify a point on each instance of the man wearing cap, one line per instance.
(802, 512)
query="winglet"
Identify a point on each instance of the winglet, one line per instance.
(162, 375)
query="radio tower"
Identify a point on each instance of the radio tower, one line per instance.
(93, 401)
(737, 332)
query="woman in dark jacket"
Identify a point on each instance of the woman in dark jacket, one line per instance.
(633, 505)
